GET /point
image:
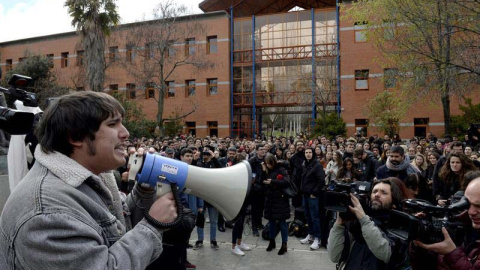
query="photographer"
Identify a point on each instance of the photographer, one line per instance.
(445, 254)
(362, 243)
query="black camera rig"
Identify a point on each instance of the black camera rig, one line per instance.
(16, 122)
(337, 196)
(427, 226)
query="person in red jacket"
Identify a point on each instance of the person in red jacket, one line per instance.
(449, 255)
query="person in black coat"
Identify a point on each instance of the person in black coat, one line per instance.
(277, 205)
(313, 181)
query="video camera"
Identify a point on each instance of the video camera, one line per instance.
(428, 228)
(337, 196)
(17, 122)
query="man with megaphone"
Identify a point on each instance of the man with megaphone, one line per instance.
(67, 212)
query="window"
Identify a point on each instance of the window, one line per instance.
(361, 79)
(171, 49)
(150, 90)
(361, 126)
(212, 86)
(80, 57)
(390, 77)
(130, 53)
(113, 53)
(211, 44)
(170, 89)
(131, 91)
(149, 52)
(190, 88)
(21, 59)
(114, 89)
(64, 60)
(50, 59)
(189, 46)
(9, 63)
(360, 29)
(191, 128)
(420, 126)
(420, 74)
(212, 128)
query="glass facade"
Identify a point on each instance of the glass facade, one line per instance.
(289, 70)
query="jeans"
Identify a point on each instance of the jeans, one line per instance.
(313, 215)
(272, 226)
(238, 228)
(213, 215)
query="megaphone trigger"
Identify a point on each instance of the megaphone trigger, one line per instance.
(135, 163)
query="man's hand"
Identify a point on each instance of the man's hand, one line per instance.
(267, 181)
(357, 207)
(200, 210)
(444, 247)
(339, 220)
(164, 209)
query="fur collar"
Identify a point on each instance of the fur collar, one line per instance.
(67, 169)
(74, 174)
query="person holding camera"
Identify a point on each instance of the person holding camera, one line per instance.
(67, 212)
(446, 254)
(362, 243)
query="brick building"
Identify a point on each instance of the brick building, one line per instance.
(260, 64)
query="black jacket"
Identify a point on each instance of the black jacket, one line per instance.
(277, 205)
(371, 166)
(313, 178)
(256, 165)
(296, 162)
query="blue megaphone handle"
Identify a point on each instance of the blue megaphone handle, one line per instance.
(155, 165)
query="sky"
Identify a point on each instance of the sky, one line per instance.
(32, 18)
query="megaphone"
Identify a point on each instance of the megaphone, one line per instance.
(226, 189)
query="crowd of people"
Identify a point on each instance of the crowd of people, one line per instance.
(423, 168)
(79, 207)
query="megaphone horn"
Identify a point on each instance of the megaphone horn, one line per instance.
(226, 189)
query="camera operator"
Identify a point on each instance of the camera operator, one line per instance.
(445, 254)
(363, 243)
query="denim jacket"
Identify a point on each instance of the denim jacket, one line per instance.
(62, 216)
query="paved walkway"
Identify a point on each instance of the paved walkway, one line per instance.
(298, 257)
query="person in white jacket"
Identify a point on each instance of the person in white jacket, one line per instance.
(333, 166)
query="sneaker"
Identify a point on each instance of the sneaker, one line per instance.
(214, 245)
(198, 244)
(190, 266)
(255, 232)
(237, 251)
(244, 247)
(315, 245)
(189, 246)
(307, 240)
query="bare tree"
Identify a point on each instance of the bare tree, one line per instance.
(433, 44)
(157, 48)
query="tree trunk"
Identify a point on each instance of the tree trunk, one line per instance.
(446, 112)
(160, 105)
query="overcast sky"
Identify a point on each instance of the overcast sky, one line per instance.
(31, 18)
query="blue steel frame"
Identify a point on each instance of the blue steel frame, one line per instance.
(254, 107)
(231, 70)
(314, 70)
(339, 105)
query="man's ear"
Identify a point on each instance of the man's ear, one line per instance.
(75, 143)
